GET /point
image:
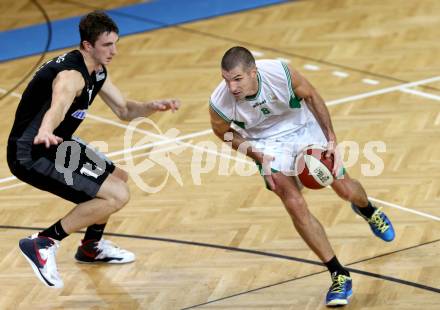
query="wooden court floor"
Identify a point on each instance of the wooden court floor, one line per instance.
(207, 234)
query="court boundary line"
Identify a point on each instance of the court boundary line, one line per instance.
(395, 206)
(271, 255)
(383, 91)
(419, 93)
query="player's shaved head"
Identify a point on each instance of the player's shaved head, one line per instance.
(238, 56)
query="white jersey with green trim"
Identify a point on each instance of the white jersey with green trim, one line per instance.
(273, 112)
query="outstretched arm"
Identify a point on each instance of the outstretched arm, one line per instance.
(127, 109)
(65, 87)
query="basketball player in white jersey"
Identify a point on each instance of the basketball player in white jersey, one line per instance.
(270, 111)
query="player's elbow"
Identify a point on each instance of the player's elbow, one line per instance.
(221, 133)
(216, 129)
(218, 133)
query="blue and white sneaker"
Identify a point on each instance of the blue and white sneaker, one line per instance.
(40, 253)
(339, 292)
(102, 251)
(380, 224)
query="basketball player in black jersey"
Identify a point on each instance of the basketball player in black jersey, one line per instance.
(52, 107)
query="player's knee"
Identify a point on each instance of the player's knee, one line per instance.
(119, 198)
(281, 191)
(297, 208)
(123, 195)
(278, 191)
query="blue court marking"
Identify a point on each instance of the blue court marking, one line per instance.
(31, 40)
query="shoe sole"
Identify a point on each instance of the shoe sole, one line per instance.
(115, 262)
(383, 239)
(339, 302)
(38, 273)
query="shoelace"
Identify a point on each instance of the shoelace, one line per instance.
(52, 246)
(338, 284)
(378, 220)
(52, 242)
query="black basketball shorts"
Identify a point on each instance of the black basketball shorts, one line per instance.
(71, 170)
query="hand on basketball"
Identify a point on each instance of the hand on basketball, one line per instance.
(333, 154)
(165, 105)
(47, 139)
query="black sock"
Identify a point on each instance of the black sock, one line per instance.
(367, 211)
(94, 232)
(55, 231)
(334, 266)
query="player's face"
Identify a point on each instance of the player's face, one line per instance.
(105, 48)
(241, 82)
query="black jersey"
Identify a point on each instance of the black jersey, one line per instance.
(37, 97)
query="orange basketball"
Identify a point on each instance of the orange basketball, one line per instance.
(313, 168)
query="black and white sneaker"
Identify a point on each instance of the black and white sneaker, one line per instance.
(102, 251)
(40, 253)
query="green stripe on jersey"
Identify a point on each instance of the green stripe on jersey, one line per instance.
(289, 78)
(294, 102)
(240, 124)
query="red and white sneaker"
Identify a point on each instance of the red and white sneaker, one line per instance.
(40, 253)
(102, 251)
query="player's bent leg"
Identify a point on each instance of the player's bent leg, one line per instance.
(351, 190)
(95, 231)
(305, 223)
(314, 235)
(122, 175)
(116, 193)
(97, 196)
(111, 197)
